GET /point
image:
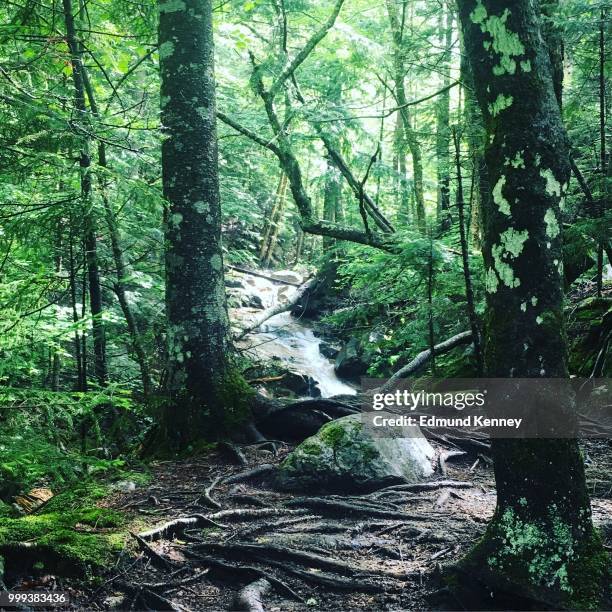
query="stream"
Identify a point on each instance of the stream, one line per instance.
(285, 337)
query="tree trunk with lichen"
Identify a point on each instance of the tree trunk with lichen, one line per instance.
(205, 393)
(541, 543)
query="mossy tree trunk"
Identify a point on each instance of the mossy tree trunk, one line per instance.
(203, 387)
(541, 542)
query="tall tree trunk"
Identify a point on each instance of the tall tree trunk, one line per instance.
(403, 192)
(402, 100)
(465, 258)
(93, 272)
(331, 197)
(81, 382)
(121, 273)
(271, 215)
(541, 488)
(475, 136)
(442, 122)
(206, 394)
(602, 146)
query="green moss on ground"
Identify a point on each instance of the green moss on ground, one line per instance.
(68, 535)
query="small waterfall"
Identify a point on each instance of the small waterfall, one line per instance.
(290, 339)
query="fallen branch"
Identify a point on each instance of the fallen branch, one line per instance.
(260, 275)
(424, 356)
(275, 311)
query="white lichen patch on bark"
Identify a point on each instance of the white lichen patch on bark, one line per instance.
(172, 6)
(513, 241)
(505, 43)
(501, 103)
(553, 186)
(202, 207)
(498, 197)
(491, 281)
(552, 225)
(166, 49)
(504, 269)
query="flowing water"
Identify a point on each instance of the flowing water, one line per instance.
(287, 338)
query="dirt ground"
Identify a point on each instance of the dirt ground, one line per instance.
(384, 555)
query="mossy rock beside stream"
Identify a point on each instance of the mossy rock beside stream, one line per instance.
(345, 455)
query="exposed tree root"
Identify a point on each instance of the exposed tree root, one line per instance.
(336, 507)
(264, 552)
(428, 486)
(233, 452)
(150, 599)
(224, 569)
(331, 581)
(250, 598)
(273, 525)
(252, 513)
(252, 474)
(447, 456)
(172, 528)
(156, 559)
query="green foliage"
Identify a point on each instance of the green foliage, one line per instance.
(388, 308)
(57, 439)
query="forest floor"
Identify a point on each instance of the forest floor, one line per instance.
(384, 554)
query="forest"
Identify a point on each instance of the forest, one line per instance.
(230, 230)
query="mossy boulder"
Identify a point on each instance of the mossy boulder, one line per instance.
(345, 455)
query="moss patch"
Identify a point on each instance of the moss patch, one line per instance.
(72, 542)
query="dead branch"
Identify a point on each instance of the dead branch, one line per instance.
(262, 275)
(272, 312)
(424, 356)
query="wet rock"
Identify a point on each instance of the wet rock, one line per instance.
(234, 283)
(289, 276)
(345, 456)
(252, 301)
(328, 350)
(350, 362)
(300, 384)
